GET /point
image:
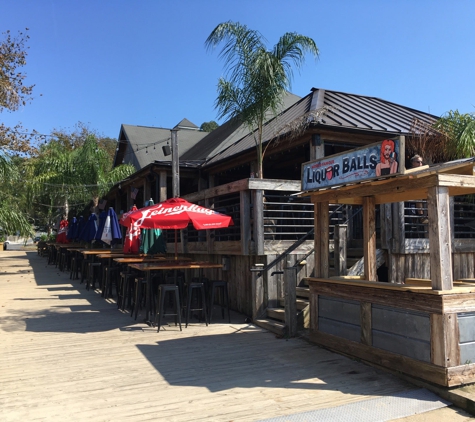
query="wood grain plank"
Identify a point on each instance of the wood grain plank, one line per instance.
(69, 354)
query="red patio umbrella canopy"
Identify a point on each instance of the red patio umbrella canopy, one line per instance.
(176, 213)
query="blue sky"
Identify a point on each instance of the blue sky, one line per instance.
(143, 62)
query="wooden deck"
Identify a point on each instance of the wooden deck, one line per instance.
(67, 354)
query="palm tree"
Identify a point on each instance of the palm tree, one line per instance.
(63, 176)
(459, 131)
(258, 78)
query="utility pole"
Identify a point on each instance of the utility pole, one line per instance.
(175, 164)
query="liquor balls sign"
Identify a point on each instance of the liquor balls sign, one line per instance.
(372, 161)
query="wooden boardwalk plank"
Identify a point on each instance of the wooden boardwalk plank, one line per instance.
(69, 354)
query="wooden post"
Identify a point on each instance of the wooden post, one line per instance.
(175, 164)
(290, 297)
(245, 200)
(369, 238)
(321, 238)
(340, 249)
(445, 350)
(317, 147)
(162, 182)
(258, 226)
(398, 240)
(440, 238)
(257, 287)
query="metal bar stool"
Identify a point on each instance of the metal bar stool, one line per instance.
(91, 272)
(194, 291)
(108, 280)
(173, 290)
(219, 285)
(140, 284)
(126, 290)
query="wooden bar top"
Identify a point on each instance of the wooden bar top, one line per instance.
(173, 265)
(135, 260)
(460, 286)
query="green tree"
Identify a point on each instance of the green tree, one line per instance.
(13, 52)
(258, 77)
(12, 218)
(209, 126)
(459, 131)
(13, 94)
(66, 177)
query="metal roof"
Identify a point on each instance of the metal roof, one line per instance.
(352, 112)
(141, 145)
(226, 135)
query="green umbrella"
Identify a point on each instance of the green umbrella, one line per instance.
(152, 240)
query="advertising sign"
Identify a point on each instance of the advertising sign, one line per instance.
(372, 161)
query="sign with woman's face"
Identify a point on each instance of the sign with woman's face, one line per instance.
(372, 161)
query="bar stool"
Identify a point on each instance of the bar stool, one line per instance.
(91, 272)
(140, 284)
(75, 265)
(125, 290)
(172, 289)
(108, 281)
(222, 286)
(196, 289)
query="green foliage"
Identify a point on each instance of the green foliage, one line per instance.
(12, 218)
(67, 176)
(13, 54)
(459, 130)
(257, 78)
(209, 126)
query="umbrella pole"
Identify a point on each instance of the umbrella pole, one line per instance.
(176, 246)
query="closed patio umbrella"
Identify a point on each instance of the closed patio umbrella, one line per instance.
(72, 229)
(61, 237)
(90, 228)
(81, 223)
(111, 233)
(100, 226)
(132, 237)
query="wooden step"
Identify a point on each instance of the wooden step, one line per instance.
(276, 313)
(303, 292)
(270, 325)
(300, 303)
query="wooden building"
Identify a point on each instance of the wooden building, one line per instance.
(422, 326)
(273, 237)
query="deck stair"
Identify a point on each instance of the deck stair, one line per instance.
(274, 320)
(275, 317)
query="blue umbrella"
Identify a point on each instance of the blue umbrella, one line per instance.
(89, 231)
(100, 227)
(111, 233)
(80, 228)
(73, 229)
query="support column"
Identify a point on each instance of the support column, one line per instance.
(162, 183)
(290, 298)
(321, 237)
(340, 249)
(440, 239)
(369, 238)
(258, 226)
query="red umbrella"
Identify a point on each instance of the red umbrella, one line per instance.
(175, 213)
(132, 236)
(61, 237)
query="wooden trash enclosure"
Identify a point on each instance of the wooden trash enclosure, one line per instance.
(423, 327)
